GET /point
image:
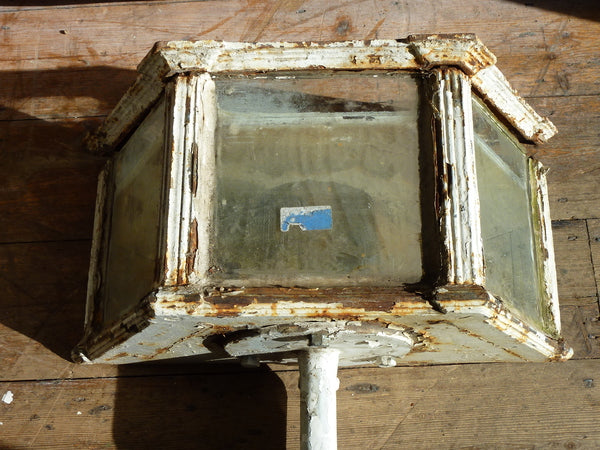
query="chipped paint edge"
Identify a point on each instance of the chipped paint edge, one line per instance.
(465, 51)
(173, 304)
(417, 52)
(460, 221)
(496, 90)
(547, 257)
(503, 320)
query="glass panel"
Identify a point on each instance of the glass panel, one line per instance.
(318, 180)
(133, 247)
(506, 216)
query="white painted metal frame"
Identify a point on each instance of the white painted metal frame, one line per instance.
(176, 319)
(461, 227)
(191, 178)
(546, 249)
(414, 53)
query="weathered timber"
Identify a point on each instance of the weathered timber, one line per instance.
(463, 406)
(581, 327)
(548, 51)
(63, 92)
(573, 265)
(48, 182)
(87, 32)
(594, 235)
(576, 198)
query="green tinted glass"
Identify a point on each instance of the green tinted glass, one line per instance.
(503, 178)
(318, 180)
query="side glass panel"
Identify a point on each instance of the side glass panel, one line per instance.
(317, 180)
(133, 246)
(506, 217)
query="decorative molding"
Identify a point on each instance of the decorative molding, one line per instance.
(191, 143)
(417, 52)
(461, 227)
(546, 253)
(460, 50)
(491, 84)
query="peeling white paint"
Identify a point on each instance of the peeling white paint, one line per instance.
(177, 317)
(461, 213)
(318, 385)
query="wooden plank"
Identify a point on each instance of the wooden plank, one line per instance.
(42, 307)
(594, 232)
(63, 92)
(572, 156)
(573, 261)
(574, 151)
(542, 52)
(49, 182)
(581, 328)
(481, 406)
(577, 198)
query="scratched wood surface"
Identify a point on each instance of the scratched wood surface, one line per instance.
(471, 406)
(64, 66)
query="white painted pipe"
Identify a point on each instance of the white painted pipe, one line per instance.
(318, 386)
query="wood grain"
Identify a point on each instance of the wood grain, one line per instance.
(543, 52)
(594, 233)
(476, 406)
(581, 327)
(576, 198)
(63, 92)
(573, 263)
(48, 185)
(65, 65)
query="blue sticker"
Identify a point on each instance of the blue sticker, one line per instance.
(307, 218)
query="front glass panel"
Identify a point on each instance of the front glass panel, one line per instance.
(317, 180)
(507, 227)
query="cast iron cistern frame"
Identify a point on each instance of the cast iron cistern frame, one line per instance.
(177, 302)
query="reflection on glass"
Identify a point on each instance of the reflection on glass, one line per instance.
(133, 245)
(317, 181)
(506, 216)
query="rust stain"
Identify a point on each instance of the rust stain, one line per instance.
(119, 356)
(192, 248)
(374, 59)
(438, 321)
(194, 169)
(222, 329)
(510, 352)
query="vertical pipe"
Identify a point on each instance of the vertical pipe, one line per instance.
(318, 386)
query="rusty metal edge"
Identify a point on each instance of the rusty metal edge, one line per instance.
(500, 317)
(189, 300)
(491, 84)
(459, 203)
(546, 256)
(95, 345)
(454, 299)
(417, 52)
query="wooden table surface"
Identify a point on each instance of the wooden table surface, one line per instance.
(65, 65)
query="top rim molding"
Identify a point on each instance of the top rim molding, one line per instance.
(416, 52)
